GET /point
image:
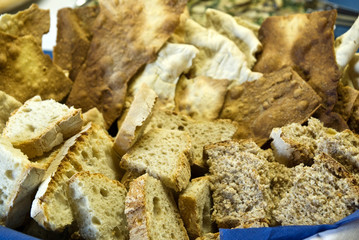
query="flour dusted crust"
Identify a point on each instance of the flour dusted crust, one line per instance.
(121, 53)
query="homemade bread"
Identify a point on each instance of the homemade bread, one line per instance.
(195, 204)
(152, 212)
(323, 193)
(7, 105)
(135, 119)
(91, 152)
(202, 132)
(209, 236)
(19, 181)
(163, 154)
(39, 125)
(98, 204)
(95, 116)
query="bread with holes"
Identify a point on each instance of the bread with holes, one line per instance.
(98, 204)
(91, 152)
(40, 125)
(195, 204)
(19, 181)
(151, 211)
(8, 104)
(164, 154)
(202, 132)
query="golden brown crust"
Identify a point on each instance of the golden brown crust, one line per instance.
(276, 99)
(120, 46)
(305, 42)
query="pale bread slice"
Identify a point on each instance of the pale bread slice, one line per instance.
(164, 154)
(91, 152)
(19, 181)
(40, 125)
(98, 204)
(163, 74)
(134, 120)
(195, 204)
(95, 116)
(201, 97)
(243, 37)
(202, 132)
(346, 45)
(8, 104)
(152, 212)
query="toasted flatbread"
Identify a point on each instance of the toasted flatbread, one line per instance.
(305, 42)
(125, 37)
(74, 33)
(201, 97)
(32, 21)
(25, 71)
(284, 98)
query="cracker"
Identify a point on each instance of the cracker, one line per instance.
(126, 36)
(276, 99)
(305, 42)
(25, 71)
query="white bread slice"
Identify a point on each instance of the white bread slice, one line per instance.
(8, 104)
(98, 204)
(195, 204)
(164, 154)
(95, 116)
(202, 132)
(19, 181)
(92, 152)
(38, 126)
(152, 212)
(135, 120)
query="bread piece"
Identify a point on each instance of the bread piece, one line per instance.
(38, 126)
(347, 97)
(8, 104)
(284, 98)
(19, 181)
(209, 236)
(95, 116)
(201, 132)
(74, 33)
(164, 154)
(201, 97)
(242, 36)
(321, 194)
(246, 186)
(128, 177)
(152, 212)
(121, 52)
(135, 119)
(25, 70)
(305, 42)
(195, 204)
(32, 21)
(98, 204)
(91, 152)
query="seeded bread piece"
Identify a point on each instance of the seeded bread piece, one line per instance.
(135, 119)
(321, 194)
(91, 152)
(19, 181)
(164, 154)
(8, 104)
(195, 204)
(202, 132)
(243, 182)
(209, 236)
(152, 212)
(98, 204)
(38, 126)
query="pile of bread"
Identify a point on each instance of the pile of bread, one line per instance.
(148, 125)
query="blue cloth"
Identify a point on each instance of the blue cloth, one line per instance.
(282, 233)
(9, 234)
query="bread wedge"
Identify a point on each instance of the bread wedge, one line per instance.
(8, 104)
(98, 204)
(152, 212)
(40, 125)
(163, 154)
(91, 152)
(19, 181)
(95, 116)
(195, 204)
